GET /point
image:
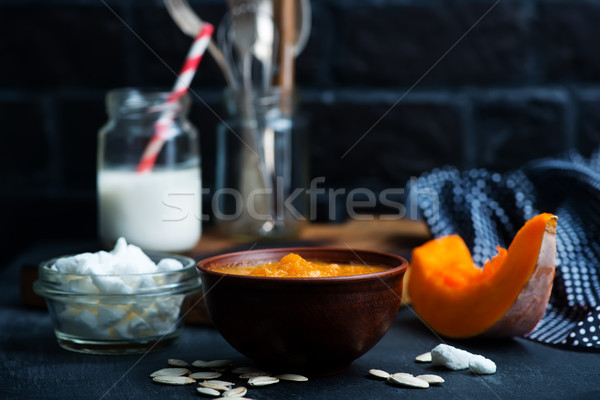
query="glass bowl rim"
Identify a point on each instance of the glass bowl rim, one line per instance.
(191, 283)
(187, 262)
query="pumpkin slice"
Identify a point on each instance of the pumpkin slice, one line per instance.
(507, 297)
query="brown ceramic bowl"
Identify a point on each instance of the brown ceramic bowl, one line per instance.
(311, 325)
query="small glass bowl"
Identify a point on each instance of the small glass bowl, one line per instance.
(134, 314)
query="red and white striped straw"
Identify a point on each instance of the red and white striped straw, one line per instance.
(162, 126)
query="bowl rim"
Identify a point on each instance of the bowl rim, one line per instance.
(401, 268)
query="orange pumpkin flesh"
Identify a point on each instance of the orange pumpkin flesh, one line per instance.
(507, 297)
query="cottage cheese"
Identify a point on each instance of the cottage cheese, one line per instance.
(122, 271)
(457, 359)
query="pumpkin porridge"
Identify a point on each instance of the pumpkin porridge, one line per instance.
(294, 266)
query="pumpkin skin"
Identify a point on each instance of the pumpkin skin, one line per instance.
(507, 297)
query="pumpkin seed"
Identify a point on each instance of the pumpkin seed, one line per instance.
(403, 374)
(405, 379)
(170, 372)
(205, 375)
(216, 386)
(262, 380)
(224, 383)
(239, 391)
(208, 391)
(424, 358)
(431, 379)
(291, 377)
(173, 380)
(174, 362)
(199, 364)
(379, 373)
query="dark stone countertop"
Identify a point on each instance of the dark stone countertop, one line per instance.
(34, 367)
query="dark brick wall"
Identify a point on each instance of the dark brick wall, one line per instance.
(419, 84)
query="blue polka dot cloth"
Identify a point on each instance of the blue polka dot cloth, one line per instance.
(488, 208)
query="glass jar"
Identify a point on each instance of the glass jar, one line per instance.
(146, 316)
(160, 209)
(261, 169)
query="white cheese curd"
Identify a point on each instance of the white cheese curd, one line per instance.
(482, 366)
(457, 359)
(117, 272)
(450, 357)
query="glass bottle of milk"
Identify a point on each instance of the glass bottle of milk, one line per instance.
(158, 209)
